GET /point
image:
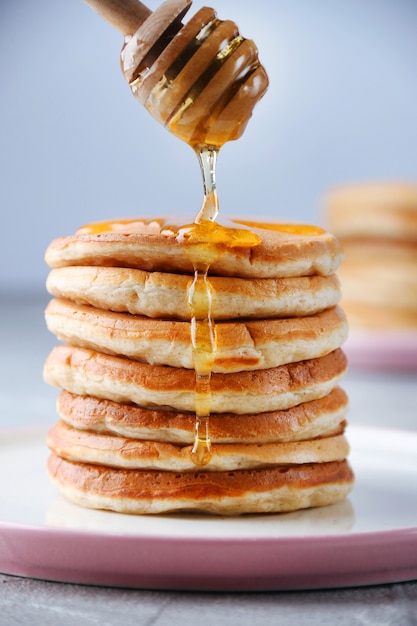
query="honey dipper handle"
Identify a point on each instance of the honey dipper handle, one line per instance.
(125, 15)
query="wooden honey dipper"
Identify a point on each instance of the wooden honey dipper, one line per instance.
(200, 80)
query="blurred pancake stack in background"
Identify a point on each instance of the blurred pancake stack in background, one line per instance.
(376, 225)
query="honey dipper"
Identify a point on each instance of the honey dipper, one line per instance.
(200, 80)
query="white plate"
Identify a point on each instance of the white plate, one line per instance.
(369, 538)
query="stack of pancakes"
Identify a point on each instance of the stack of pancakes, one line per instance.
(127, 405)
(376, 224)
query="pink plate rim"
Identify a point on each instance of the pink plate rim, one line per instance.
(215, 564)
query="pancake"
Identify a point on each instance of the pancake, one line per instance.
(121, 452)
(87, 372)
(382, 252)
(380, 210)
(308, 420)
(153, 245)
(271, 490)
(162, 295)
(239, 345)
(379, 283)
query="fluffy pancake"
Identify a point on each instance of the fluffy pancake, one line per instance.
(308, 420)
(153, 245)
(270, 490)
(87, 372)
(163, 295)
(240, 346)
(121, 452)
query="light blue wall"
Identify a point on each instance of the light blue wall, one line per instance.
(76, 147)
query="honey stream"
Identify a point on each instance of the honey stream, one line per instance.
(206, 240)
(203, 330)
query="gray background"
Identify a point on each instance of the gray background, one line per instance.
(76, 147)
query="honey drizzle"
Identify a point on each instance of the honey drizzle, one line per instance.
(205, 241)
(203, 332)
(203, 338)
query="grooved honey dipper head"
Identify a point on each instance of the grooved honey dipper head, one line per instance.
(200, 80)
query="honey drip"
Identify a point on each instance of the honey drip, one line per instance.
(203, 340)
(209, 211)
(203, 335)
(205, 241)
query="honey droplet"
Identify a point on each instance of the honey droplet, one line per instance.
(203, 341)
(201, 453)
(207, 158)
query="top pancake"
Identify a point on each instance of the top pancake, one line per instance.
(153, 245)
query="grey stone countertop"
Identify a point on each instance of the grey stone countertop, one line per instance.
(377, 399)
